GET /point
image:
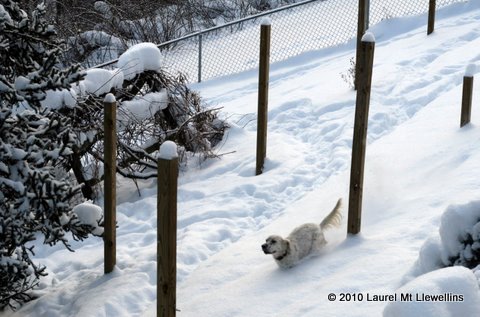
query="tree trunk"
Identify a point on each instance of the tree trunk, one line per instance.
(87, 188)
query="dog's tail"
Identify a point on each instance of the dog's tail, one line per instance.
(334, 218)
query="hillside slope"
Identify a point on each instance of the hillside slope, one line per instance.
(418, 163)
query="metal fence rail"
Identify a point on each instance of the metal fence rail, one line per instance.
(297, 28)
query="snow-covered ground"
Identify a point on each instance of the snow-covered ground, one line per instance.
(419, 163)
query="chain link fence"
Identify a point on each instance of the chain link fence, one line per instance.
(297, 28)
(387, 9)
(305, 26)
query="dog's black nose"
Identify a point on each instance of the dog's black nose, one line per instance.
(264, 246)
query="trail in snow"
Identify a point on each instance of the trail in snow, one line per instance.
(311, 115)
(418, 163)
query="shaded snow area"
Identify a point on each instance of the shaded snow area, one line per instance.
(421, 194)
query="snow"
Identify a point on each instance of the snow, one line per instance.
(266, 21)
(21, 83)
(106, 46)
(455, 223)
(89, 214)
(100, 38)
(4, 87)
(168, 151)
(141, 108)
(470, 70)
(368, 37)
(109, 98)
(420, 190)
(56, 99)
(138, 58)
(4, 16)
(457, 285)
(100, 81)
(103, 8)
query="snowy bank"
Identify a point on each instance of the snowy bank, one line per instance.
(449, 292)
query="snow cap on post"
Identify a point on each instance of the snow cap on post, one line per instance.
(168, 151)
(109, 98)
(266, 21)
(470, 71)
(368, 37)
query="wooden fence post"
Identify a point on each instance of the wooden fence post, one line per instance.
(263, 79)
(363, 20)
(200, 54)
(431, 16)
(365, 63)
(109, 187)
(467, 95)
(167, 229)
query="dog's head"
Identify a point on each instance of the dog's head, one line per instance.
(275, 245)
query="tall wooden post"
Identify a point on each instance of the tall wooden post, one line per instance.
(167, 230)
(431, 16)
(110, 168)
(365, 63)
(467, 95)
(263, 81)
(200, 51)
(363, 20)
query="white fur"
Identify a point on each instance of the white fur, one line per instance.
(307, 239)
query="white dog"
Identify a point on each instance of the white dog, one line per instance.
(307, 239)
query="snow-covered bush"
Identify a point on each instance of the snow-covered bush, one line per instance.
(460, 235)
(448, 265)
(458, 242)
(34, 141)
(154, 106)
